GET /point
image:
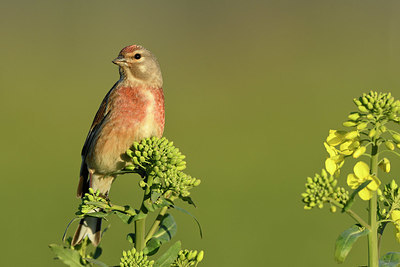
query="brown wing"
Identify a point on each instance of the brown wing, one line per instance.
(102, 112)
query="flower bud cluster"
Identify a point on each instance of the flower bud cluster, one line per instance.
(188, 258)
(378, 105)
(177, 182)
(323, 189)
(156, 156)
(91, 202)
(160, 159)
(133, 258)
(390, 193)
(375, 110)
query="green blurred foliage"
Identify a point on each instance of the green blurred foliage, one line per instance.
(251, 87)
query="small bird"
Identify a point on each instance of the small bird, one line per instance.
(132, 110)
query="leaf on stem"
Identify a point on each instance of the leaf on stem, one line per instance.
(189, 201)
(350, 202)
(131, 238)
(169, 256)
(66, 255)
(164, 234)
(126, 218)
(390, 259)
(345, 241)
(188, 213)
(96, 262)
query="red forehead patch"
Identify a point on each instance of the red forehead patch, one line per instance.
(130, 49)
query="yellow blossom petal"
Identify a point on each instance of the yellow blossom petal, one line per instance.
(374, 184)
(351, 135)
(385, 165)
(345, 145)
(335, 137)
(330, 166)
(360, 151)
(352, 181)
(396, 215)
(361, 170)
(330, 149)
(365, 194)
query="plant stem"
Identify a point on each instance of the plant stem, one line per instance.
(140, 228)
(156, 223)
(373, 257)
(140, 225)
(351, 213)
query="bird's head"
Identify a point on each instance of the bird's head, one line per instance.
(138, 65)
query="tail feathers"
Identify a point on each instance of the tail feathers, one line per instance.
(89, 227)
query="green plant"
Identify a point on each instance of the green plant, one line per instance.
(370, 135)
(160, 165)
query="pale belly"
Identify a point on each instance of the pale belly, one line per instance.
(113, 141)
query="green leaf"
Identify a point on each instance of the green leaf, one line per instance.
(390, 259)
(66, 255)
(131, 238)
(97, 262)
(126, 218)
(154, 196)
(350, 202)
(167, 229)
(165, 232)
(189, 201)
(345, 241)
(169, 256)
(188, 213)
(97, 252)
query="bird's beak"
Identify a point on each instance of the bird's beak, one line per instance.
(119, 61)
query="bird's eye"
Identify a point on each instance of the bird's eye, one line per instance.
(137, 56)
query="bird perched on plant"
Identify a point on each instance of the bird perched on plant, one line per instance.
(132, 110)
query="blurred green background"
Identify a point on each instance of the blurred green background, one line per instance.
(252, 89)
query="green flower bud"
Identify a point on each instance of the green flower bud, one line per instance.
(354, 116)
(135, 160)
(372, 133)
(129, 153)
(396, 138)
(362, 109)
(389, 145)
(357, 102)
(333, 209)
(200, 256)
(362, 126)
(393, 184)
(349, 124)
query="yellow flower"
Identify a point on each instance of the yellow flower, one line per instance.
(348, 147)
(335, 160)
(396, 219)
(331, 150)
(362, 174)
(384, 165)
(335, 137)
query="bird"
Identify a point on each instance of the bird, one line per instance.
(132, 110)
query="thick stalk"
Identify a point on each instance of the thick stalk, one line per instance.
(156, 223)
(373, 257)
(140, 230)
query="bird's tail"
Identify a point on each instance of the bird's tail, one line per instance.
(90, 227)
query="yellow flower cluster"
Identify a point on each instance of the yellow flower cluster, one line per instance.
(340, 144)
(362, 174)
